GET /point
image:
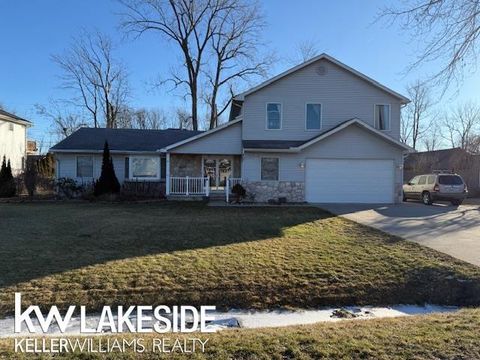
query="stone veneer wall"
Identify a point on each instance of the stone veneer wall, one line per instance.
(294, 191)
(185, 165)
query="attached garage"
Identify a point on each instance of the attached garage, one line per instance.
(349, 181)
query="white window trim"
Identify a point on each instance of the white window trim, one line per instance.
(93, 167)
(270, 157)
(266, 115)
(321, 115)
(389, 116)
(140, 178)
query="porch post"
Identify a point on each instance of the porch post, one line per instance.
(167, 174)
(227, 190)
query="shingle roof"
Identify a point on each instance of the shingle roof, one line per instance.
(297, 145)
(285, 144)
(13, 116)
(93, 139)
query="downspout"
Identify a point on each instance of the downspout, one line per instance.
(167, 173)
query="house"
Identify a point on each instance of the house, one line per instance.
(319, 132)
(13, 140)
(456, 160)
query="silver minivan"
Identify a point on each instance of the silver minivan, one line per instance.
(440, 186)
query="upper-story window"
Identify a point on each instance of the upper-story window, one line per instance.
(10, 126)
(382, 116)
(313, 117)
(274, 116)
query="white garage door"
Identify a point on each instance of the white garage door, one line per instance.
(349, 181)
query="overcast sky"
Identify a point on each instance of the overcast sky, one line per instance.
(32, 30)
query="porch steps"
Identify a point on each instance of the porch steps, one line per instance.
(212, 197)
(186, 198)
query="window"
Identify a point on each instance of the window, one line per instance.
(163, 167)
(85, 166)
(313, 119)
(269, 168)
(382, 117)
(127, 168)
(146, 167)
(274, 116)
(450, 180)
(414, 181)
(431, 180)
(422, 180)
(10, 126)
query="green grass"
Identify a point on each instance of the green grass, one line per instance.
(109, 254)
(451, 336)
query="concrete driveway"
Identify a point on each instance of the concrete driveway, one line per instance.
(452, 230)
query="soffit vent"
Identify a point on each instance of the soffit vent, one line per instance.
(321, 70)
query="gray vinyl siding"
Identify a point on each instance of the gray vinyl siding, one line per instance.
(342, 94)
(227, 141)
(67, 166)
(350, 143)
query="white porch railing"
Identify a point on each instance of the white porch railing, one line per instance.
(229, 184)
(189, 186)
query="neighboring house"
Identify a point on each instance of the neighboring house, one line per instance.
(456, 160)
(13, 140)
(32, 148)
(319, 132)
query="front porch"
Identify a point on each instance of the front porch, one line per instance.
(192, 175)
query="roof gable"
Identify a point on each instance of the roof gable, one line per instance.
(331, 59)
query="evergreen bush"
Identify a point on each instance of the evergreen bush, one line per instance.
(108, 182)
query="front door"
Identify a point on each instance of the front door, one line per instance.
(218, 169)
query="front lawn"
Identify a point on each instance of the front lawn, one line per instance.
(448, 336)
(165, 253)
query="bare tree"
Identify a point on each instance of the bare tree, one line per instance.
(474, 144)
(184, 119)
(188, 23)
(153, 119)
(415, 114)
(217, 40)
(304, 51)
(234, 43)
(433, 137)
(462, 125)
(63, 123)
(98, 80)
(448, 30)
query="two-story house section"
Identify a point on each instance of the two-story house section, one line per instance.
(13, 140)
(320, 132)
(325, 132)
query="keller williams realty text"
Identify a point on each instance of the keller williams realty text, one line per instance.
(103, 344)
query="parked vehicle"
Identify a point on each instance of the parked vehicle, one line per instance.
(441, 186)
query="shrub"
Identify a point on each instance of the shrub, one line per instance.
(239, 192)
(8, 187)
(108, 182)
(68, 188)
